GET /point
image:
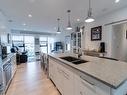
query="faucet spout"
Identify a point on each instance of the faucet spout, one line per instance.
(79, 52)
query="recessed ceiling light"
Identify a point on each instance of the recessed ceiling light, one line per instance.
(117, 1)
(24, 24)
(78, 19)
(29, 15)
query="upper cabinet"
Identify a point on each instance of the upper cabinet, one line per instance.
(76, 39)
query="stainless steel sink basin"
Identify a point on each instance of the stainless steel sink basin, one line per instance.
(79, 62)
(73, 60)
(69, 58)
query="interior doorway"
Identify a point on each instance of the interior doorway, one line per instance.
(119, 42)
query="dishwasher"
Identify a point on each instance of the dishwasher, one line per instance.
(1, 81)
(7, 68)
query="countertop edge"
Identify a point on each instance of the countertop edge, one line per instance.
(106, 83)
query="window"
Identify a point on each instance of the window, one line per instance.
(24, 43)
(44, 44)
(19, 42)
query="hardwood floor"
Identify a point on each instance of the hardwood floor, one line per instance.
(30, 80)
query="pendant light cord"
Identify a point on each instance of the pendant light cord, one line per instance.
(69, 22)
(90, 9)
(58, 22)
(58, 25)
(89, 4)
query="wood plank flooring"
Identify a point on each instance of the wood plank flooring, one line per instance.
(30, 80)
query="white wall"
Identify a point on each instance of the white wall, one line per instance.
(4, 29)
(116, 15)
(107, 30)
(61, 37)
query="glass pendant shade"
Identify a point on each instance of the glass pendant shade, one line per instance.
(89, 15)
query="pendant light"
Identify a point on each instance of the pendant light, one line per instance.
(69, 20)
(89, 15)
(58, 30)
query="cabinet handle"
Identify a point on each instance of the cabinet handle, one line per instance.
(66, 74)
(86, 80)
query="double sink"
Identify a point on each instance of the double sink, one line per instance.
(73, 60)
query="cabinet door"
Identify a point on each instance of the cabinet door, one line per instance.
(68, 82)
(60, 78)
(50, 69)
(53, 71)
(83, 88)
(88, 88)
(56, 74)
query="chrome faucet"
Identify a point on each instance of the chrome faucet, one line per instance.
(79, 52)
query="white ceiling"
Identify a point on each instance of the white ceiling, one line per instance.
(46, 12)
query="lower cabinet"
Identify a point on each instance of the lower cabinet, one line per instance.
(83, 88)
(70, 83)
(14, 65)
(62, 77)
(51, 69)
(59, 78)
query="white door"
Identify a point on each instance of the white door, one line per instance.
(119, 42)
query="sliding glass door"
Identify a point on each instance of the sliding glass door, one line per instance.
(44, 44)
(29, 45)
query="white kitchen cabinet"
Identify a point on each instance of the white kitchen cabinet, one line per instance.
(55, 73)
(62, 77)
(51, 69)
(65, 80)
(76, 38)
(68, 82)
(102, 89)
(82, 87)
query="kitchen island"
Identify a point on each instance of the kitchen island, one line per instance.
(98, 76)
